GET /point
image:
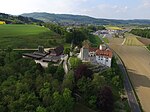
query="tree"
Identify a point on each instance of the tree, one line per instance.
(15, 106)
(55, 85)
(92, 101)
(29, 101)
(58, 102)
(59, 73)
(77, 36)
(85, 88)
(21, 88)
(68, 101)
(67, 51)
(51, 69)
(40, 109)
(105, 101)
(40, 68)
(98, 82)
(68, 80)
(2, 58)
(64, 102)
(39, 83)
(83, 70)
(116, 81)
(46, 90)
(9, 50)
(75, 62)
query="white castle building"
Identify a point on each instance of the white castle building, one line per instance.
(102, 55)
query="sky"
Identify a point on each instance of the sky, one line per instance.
(111, 9)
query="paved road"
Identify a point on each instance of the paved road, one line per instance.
(129, 89)
(127, 84)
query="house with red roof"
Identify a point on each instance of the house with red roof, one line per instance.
(101, 55)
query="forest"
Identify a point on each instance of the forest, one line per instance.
(27, 86)
(141, 32)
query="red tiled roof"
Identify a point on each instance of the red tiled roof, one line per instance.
(93, 49)
(107, 53)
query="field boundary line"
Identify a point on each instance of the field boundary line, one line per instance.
(147, 49)
(123, 41)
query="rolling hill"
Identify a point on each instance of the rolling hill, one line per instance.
(10, 19)
(79, 19)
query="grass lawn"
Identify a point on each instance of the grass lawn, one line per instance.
(27, 36)
(106, 40)
(95, 40)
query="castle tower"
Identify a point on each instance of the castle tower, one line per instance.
(85, 51)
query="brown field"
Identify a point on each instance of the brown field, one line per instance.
(137, 62)
(116, 41)
(145, 41)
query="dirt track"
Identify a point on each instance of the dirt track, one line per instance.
(137, 62)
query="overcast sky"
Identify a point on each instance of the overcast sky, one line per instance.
(118, 9)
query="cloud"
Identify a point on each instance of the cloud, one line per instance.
(146, 3)
(57, 6)
(106, 11)
(94, 8)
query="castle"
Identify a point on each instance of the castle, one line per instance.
(101, 55)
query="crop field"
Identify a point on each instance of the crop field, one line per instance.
(137, 62)
(116, 41)
(27, 36)
(145, 41)
(113, 28)
(2, 22)
(131, 40)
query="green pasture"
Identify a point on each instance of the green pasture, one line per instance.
(27, 36)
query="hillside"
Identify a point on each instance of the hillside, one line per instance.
(10, 19)
(79, 19)
(27, 36)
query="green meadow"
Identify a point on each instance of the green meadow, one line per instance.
(27, 36)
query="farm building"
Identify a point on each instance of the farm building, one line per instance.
(42, 57)
(56, 51)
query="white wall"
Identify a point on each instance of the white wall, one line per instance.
(103, 60)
